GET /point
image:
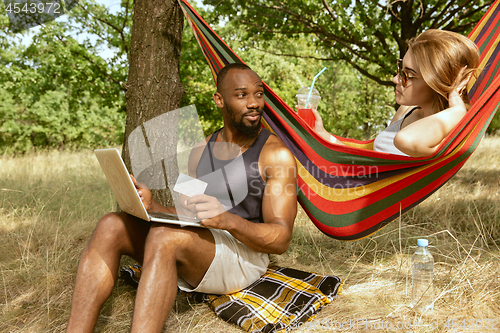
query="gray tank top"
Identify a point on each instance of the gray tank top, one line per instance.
(384, 142)
(236, 183)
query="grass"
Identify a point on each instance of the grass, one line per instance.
(50, 202)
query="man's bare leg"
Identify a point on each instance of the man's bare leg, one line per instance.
(169, 251)
(115, 235)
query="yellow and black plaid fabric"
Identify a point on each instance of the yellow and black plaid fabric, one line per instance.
(281, 298)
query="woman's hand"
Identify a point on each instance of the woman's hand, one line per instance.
(318, 123)
(455, 96)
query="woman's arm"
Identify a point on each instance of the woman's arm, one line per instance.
(422, 137)
(320, 129)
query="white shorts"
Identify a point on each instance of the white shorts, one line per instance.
(235, 266)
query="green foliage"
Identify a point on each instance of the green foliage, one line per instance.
(361, 33)
(51, 123)
(494, 128)
(354, 106)
(59, 92)
(369, 35)
(197, 78)
(351, 105)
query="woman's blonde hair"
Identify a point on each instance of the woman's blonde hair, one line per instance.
(440, 55)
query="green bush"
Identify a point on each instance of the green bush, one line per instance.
(51, 123)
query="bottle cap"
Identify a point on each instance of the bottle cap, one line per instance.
(423, 242)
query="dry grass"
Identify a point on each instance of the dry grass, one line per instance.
(49, 204)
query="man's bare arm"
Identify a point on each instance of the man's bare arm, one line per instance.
(279, 205)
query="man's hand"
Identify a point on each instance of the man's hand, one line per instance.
(144, 194)
(209, 210)
(185, 208)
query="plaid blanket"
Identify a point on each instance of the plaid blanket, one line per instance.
(281, 299)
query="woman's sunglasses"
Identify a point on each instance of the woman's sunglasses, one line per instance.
(403, 76)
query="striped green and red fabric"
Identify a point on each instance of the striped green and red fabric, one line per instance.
(350, 192)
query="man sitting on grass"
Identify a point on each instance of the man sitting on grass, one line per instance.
(232, 252)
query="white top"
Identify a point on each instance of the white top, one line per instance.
(384, 142)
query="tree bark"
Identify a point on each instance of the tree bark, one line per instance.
(153, 86)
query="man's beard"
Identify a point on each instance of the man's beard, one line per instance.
(250, 131)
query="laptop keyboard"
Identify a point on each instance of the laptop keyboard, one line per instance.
(168, 216)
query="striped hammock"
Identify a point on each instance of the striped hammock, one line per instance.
(350, 192)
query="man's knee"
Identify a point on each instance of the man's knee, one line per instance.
(117, 230)
(164, 239)
(110, 225)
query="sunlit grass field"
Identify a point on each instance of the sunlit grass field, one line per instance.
(50, 202)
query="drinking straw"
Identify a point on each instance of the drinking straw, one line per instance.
(312, 85)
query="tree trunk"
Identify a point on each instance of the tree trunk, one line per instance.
(153, 86)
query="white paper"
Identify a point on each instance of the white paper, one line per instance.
(189, 186)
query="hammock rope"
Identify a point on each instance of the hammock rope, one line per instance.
(350, 192)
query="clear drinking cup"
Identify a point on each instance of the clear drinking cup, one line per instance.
(305, 111)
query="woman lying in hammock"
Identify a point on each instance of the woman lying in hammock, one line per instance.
(430, 87)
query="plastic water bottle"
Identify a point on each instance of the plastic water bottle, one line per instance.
(422, 273)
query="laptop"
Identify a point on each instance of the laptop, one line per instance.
(126, 194)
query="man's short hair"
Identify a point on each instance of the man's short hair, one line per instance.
(227, 68)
